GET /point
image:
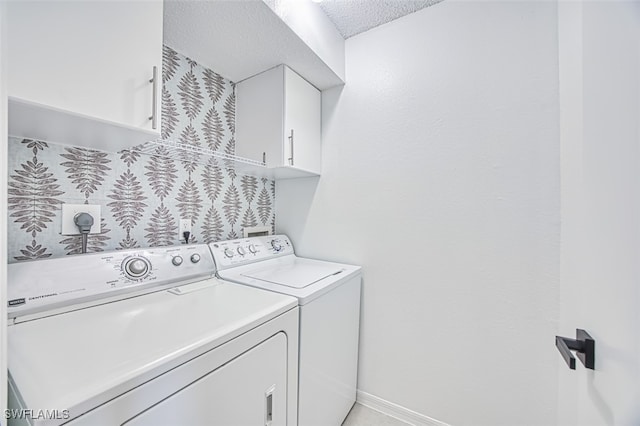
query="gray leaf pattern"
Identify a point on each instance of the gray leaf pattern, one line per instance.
(170, 116)
(86, 168)
(230, 112)
(189, 201)
(249, 219)
(128, 205)
(198, 108)
(162, 173)
(213, 130)
(249, 185)
(192, 100)
(264, 206)
(170, 63)
(32, 196)
(232, 204)
(213, 84)
(33, 251)
(212, 179)
(162, 229)
(129, 156)
(213, 228)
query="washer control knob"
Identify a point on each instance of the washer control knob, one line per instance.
(276, 245)
(195, 258)
(228, 252)
(136, 267)
(241, 251)
(177, 260)
(252, 248)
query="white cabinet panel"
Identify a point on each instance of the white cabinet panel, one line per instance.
(93, 59)
(278, 118)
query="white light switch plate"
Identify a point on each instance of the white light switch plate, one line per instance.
(70, 210)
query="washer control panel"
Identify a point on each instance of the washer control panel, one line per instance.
(242, 251)
(51, 283)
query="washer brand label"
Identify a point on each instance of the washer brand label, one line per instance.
(16, 302)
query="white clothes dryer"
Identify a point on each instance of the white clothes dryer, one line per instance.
(329, 301)
(147, 337)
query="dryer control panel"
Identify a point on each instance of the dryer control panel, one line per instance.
(42, 285)
(243, 251)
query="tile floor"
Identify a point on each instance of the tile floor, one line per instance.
(365, 416)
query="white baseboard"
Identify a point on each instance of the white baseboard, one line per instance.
(396, 411)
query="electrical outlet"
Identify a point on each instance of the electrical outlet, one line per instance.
(70, 210)
(185, 226)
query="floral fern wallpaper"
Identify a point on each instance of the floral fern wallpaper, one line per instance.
(142, 197)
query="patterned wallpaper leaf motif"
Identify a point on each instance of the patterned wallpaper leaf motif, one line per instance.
(212, 227)
(128, 205)
(32, 191)
(249, 187)
(212, 179)
(249, 218)
(264, 206)
(130, 156)
(128, 242)
(213, 130)
(213, 84)
(189, 201)
(162, 229)
(162, 173)
(86, 168)
(95, 242)
(32, 252)
(170, 114)
(170, 63)
(230, 111)
(231, 207)
(190, 95)
(189, 136)
(32, 196)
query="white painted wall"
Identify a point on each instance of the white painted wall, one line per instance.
(3, 210)
(600, 140)
(441, 177)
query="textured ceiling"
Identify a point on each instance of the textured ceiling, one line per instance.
(352, 17)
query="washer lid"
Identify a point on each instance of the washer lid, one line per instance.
(297, 274)
(81, 359)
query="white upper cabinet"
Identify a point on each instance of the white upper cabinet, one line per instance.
(278, 120)
(79, 71)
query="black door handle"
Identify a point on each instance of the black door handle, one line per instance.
(583, 344)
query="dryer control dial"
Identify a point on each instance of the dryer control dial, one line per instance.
(276, 245)
(252, 248)
(177, 260)
(195, 258)
(241, 251)
(136, 267)
(228, 252)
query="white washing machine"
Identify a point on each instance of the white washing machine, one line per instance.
(147, 337)
(329, 298)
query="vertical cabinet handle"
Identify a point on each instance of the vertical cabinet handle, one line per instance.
(268, 406)
(154, 102)
(291, 146)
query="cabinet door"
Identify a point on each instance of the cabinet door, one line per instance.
(302, 123)
(93, 58)
(250, 390)
(259, 119)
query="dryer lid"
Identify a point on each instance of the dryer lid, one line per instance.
(300, 273)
